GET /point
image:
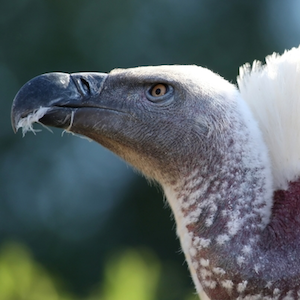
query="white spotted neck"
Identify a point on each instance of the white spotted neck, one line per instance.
(222, 209)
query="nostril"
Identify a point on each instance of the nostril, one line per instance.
(88, 84)
(81, 84)
(85, 86)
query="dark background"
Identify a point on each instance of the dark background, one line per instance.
(70, 201)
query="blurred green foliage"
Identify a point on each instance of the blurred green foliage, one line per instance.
(134, 274)
(130, 274)
(22, 278)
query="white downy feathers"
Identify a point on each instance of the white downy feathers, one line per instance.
(272, 92)
(27, 123)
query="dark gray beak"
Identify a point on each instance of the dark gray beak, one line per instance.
(61, 93)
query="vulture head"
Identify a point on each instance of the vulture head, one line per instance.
(227, 159)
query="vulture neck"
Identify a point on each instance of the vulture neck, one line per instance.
(223, 211)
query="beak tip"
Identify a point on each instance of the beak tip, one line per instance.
(15, 116)
(14, 128)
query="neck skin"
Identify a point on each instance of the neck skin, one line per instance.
(234, 247)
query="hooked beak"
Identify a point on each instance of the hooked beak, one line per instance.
(57, 95)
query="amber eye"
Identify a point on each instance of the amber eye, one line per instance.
(160, 93)
(158, 90)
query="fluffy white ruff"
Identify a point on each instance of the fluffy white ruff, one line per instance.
(273, 93)
(27, 123)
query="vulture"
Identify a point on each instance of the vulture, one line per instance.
(226, 156)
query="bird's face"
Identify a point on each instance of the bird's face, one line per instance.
(156, 118)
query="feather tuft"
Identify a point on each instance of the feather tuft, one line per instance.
(27, 123)
(272, 92)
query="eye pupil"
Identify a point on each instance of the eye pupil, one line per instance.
(159, 90)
